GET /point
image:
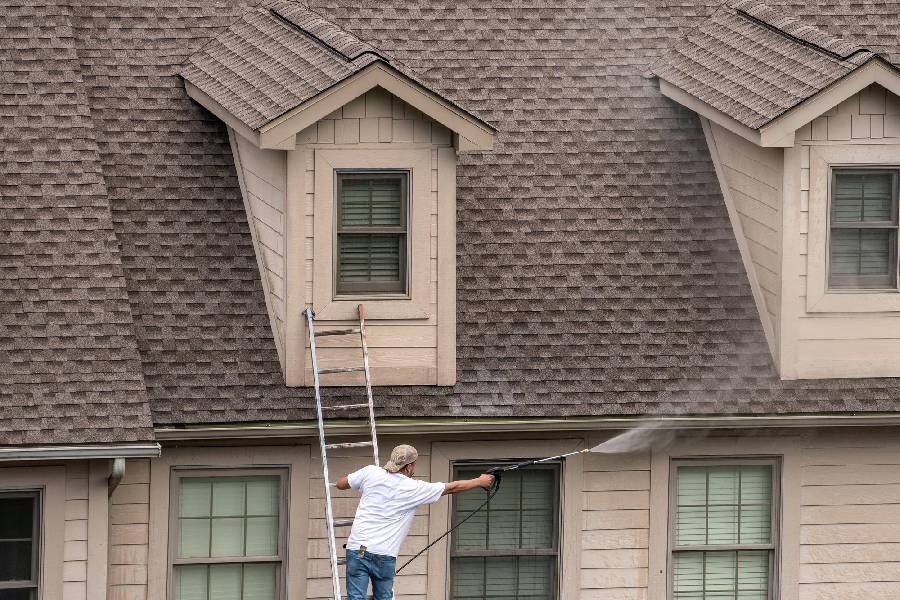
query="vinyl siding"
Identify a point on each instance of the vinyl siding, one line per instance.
(128, 533)
(752, 185)
(835, 344)
(263, 176)
(404, 350)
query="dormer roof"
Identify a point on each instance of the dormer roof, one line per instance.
(277, 58)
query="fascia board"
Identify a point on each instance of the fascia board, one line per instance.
(876, 70)
(713, 114)
(376, 75)
(220, 111)
(13, 453)
(496, 425)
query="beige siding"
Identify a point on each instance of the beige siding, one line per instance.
(405, 350)
(128, 533)
(753, 177)
(842, 344)
(616, 524)
(850, 518)
(263, 175)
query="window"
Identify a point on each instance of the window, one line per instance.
(723, 530)
(863, 229)
(227, 537)
(510, 548)
(371, 232)
(19, 545)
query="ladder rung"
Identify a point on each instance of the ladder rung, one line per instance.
(342, 522)
(342, 560)
(345, 406)
(341, 370)
(349, 445)
(337, 332)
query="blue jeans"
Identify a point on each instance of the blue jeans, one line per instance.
(377, 567)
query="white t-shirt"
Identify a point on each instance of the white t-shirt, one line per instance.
(386, 509)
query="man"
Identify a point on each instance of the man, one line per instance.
(389, 500)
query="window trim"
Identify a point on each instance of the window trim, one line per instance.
(775, 516)
(822, 159)
(178, 473)
(389, 289)
(556, 550)
(36, 541)
(857, 283)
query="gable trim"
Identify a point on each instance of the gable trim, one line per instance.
(280, 132)
(876, 70)
(220, 111)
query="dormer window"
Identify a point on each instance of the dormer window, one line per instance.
(371, 233)
(862, 249)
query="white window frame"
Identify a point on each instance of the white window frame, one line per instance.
(775, 514)
(823, 159)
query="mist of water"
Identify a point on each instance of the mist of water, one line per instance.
(647, 436)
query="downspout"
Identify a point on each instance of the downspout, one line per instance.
(116, 474)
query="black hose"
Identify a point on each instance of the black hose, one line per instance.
(495, 487)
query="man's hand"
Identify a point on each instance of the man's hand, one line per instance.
(455, 487)
(342, 483)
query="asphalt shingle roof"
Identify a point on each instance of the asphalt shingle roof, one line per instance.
(70, 372)
(597, 270)
(753, 62)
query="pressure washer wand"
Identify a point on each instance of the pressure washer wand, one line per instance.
(537, 461)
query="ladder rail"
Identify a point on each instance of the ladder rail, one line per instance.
(365, 351)
(329, 517)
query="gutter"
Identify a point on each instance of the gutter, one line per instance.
(10, 453)
(428, 426)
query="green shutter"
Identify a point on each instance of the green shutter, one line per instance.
(861, 251)
(370, 257)
(371, 202)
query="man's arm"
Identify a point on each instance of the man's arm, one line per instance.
(455, 487)
(342, 483)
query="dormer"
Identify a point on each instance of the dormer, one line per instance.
(803, 129)
(347, 166)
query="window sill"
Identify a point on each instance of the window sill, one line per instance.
(344, 309)
(854, 301)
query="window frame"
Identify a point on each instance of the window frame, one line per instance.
(281, 559)
(36, 546)
(863, 283)
(557, 551)
(354, 289)
(775, 515)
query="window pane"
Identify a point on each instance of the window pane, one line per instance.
(191, 582)
(227, 537)
(18, 594)
(861, 251)
(263, 496)
(723, 505)
(16, 518)
(262, 536)
(193, 539)
(507, 577)
(228, 497)
(373, 201)
(741, 575)
(15, 561)
(260, 581)
(195, 497)
(862, 197)
(225, 582)
(370, 257)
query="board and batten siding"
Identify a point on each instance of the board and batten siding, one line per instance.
(752, 178)
(400, 350)
(841, 344)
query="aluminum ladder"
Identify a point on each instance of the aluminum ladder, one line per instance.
(321, 410)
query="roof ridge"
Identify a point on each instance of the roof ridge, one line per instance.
(794, 29)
